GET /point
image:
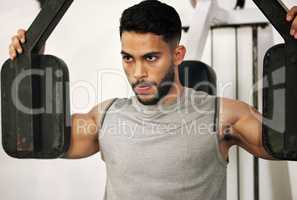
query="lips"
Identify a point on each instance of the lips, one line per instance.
(143, 89)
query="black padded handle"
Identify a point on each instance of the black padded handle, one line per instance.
(45, 23)
(286, 54)
(276, 13)
(36, 36)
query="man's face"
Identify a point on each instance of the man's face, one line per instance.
(148, 64)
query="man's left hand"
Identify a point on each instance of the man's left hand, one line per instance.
(292, 17)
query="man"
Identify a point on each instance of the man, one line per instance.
(167, 141)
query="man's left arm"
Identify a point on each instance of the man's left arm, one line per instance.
(241, 124)
(243, 127)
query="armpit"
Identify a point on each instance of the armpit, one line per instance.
(228, 134)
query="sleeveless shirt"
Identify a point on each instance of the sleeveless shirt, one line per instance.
(163, 152)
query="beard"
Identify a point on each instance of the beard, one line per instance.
(162, 89)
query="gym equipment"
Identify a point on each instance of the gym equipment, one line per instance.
(279, 82)
(254, 37)
(199, 76)
(32, 129)
(240, 4)
(41, 3)
(35, 94)
(35, 110)
(209, 14)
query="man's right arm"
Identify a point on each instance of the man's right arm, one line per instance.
(84, 136)
(85, 132)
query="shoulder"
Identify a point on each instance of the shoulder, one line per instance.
(116, 104)
(101, 107)
(98, 111)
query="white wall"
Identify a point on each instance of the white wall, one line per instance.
(87, 40)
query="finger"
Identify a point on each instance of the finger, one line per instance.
(21, 35)
(12, 52)
(292, 13)
(293, 30)
(16, 44)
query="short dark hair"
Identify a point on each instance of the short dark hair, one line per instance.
(152, 16)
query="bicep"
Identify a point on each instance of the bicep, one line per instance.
(85, 131)
(249, 133)
(84, 136)
(245, 127)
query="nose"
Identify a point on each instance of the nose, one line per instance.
(139, 71)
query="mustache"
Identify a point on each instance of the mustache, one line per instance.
(143, 83)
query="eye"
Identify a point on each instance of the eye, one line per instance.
(127, 59)
(151, 58)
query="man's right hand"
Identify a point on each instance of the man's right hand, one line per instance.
(15, 46)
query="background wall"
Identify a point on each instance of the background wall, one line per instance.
(87, 39)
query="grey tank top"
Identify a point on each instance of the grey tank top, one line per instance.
(163, 152)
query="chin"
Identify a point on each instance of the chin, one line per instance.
(147, 100)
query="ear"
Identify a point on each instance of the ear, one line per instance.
(179, 55)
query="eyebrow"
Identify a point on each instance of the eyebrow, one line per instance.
(145, 55)
(125, 53)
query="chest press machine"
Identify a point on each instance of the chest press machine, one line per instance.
(35, 90)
